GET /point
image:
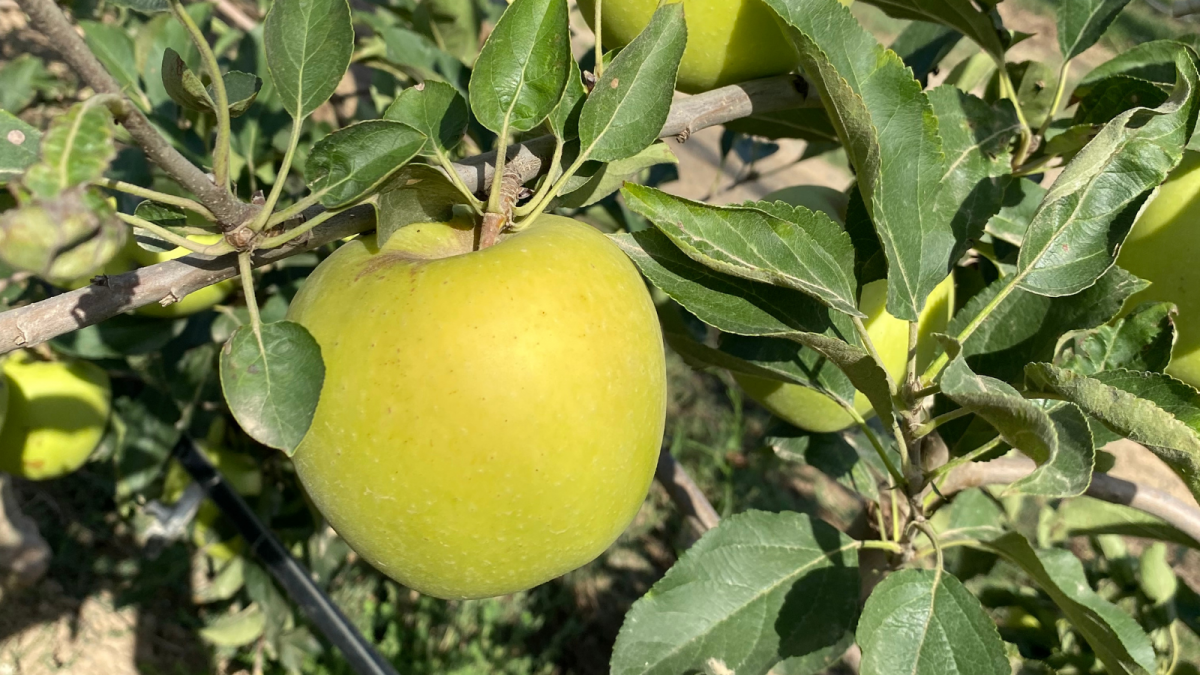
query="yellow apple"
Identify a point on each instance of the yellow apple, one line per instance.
(489, 419)
(203, 299)
(1160, 248)
(728, 40)
(813, 411)
(57, 412)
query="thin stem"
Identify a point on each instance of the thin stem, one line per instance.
(246, 270)
(281, 239)
(895, 515)
(928, 427)
(179, 240)
(922, 552)
(965, 459)
(549, 182)
(493, 203)
(284, 215)
(927, 391)
(554, 190)
(873, 438)
(937, 545)
(910, 368)
(885, 545)
(599, 48)
(1033, 167)
(1174, 635)
(457, 181)
(879, 524)
(221, 151)
(1059, 90)
(280, 178)
(1010, 92)
(941, 361)
(155, 195)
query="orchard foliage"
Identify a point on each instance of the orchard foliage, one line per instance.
(1043, 362)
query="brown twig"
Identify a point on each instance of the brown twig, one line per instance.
(163, 283)
(33, 324)
(47, 18)
(511, 185)
(684, 491)
(235, 15)
(1183, 516)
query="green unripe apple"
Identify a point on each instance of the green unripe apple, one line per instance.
(192, 303)
(57, 412)
(811, 410)
(489, 419)
(1159, 249)
(728, 40)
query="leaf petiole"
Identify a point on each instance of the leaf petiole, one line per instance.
(264, 215)
(281, 239)
(159, 231)
(221, 102)
(156, 196)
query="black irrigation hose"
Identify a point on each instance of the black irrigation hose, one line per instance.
(361, 655)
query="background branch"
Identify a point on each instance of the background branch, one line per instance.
(1183, 516)
(684, 492)
(170, 281)
(47, 18)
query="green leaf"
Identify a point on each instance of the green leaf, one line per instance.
(976, 138)
(627, 109)
(1142, 340)
(595, 180)
(982, 26)
(1118, 641)
(1153, 409)
(418, 193)
(888, 128)
(1111, 97)
(749, 308)
(435, 109)
(973, 514)
(1069, 471)
(807, 252)
(146, 6)
(62, 239)
(787, 361)
(564, 119)
(1085, 517)
(113, 46)
(241, 89)
(76, 149)
(922, 45)
(1020, 203)
(184, 86)
(1074, 237)
(845, 457)
(354, 161)
(152, 41)
(523, 67)
(453, 23)
(1026, 327)
(18, 146)
(20, 81)
(1034, 82)
(757, 589)
(1082, 22)
(1153, 62)
(1021, 423)
(235, 630)
(924, 622)
(308, 46)
(171, 217)
(272, 385)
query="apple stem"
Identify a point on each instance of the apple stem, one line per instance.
(494, 221)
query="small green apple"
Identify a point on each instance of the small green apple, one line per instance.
(489, 419)
(811, 410)
(728, 40)
(1159, 249)
(57, 413)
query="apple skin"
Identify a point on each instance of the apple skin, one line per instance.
(489, 420)
(192, 303)
(728, 40)
(57, 413)
(813, 411)
(1159, 248)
